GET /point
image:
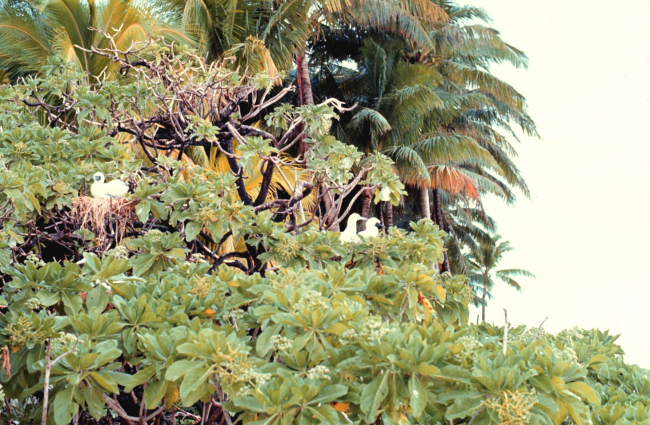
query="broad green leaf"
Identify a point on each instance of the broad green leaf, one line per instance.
(154, 392)
(418, 395)
(64, 407)
(373, 395)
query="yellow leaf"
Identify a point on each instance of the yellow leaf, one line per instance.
(558, 383)
(427, 305)
(558, 417)
(171, 396)
(585, 392)
(440, 293)
(428, 370)
(336, 329)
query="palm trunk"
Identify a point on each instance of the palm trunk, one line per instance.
(424, 202)
(366, 198)
(302, 65)
(483, 304)
(305, 95)
(389, 215)
(437, 208)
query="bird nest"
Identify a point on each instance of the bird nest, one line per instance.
(106, 218)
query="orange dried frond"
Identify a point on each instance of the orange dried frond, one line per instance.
(450, 179)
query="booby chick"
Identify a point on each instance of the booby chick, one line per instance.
(115, 189)
(350, 232)
(372, 228)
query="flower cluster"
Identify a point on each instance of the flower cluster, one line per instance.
(235, 371)
(568, 355)
(201, 287)
(318, 372)
(285, 277)
(311, 299)
(20, 149)
(281, 343)
(120, 252)
(376, 247)
(23, 332)
(374, 329)
(34, 259)
(569, 336)
(529, 335)
(199, 258)
(33, 304)
(154, 235)
(61, 187)
(206, 214)
(234, 315)
(287, 249)
(65, 341)
(513, 407)
(469, 347)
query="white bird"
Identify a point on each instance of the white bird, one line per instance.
(372, 228)
(115, 189)
(350, 232)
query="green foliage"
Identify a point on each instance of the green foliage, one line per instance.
(310, 330)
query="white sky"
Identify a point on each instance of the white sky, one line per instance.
(585, 233)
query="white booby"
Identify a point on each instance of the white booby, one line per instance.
(372, 228)
(350, 232)
(115, 189)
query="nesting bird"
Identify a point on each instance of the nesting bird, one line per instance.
(115, 189)
(372, 228)
(350, 232)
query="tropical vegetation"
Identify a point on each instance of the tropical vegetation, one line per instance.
(219, 290)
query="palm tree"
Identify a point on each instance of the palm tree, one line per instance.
(475, 105)
(482, 273)
(259, 35)
(405, 110)
(31, 31)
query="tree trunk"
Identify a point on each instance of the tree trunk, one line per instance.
(437, 208)
(302, 65)
(483, 304)
(305, 95)
(329, 215)
(389, 215)
(424, 202)
(366, 199)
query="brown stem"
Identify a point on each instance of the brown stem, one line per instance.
(48, 368)
(539, 329)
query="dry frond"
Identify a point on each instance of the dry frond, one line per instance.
(98, 215)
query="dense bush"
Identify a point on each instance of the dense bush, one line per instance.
(205, 298)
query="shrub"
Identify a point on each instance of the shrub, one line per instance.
(203, 300)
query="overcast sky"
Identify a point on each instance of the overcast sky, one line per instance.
(585, 233)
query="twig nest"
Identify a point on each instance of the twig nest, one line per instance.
(103, 215)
